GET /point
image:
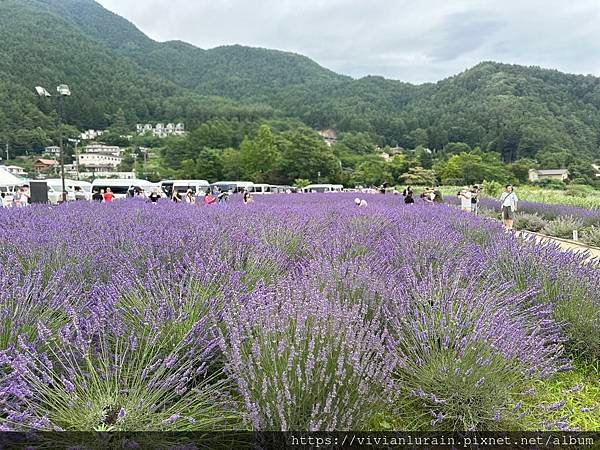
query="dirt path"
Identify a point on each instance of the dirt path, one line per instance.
(566, 245)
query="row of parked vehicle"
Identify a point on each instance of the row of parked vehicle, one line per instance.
(83, 190)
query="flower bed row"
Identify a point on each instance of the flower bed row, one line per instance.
(292, 313)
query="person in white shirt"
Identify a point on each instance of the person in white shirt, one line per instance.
(465, 199)
(508, 202)
(360, 203)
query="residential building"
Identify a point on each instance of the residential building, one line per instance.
(109, 174)
(545, 174)
(42, 164)
(103, 149)
(90, 135)
(16, 170)
(597, 169)
(161, 130)
(99, 162)
(52, 150)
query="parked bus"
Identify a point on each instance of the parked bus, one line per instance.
(261, 189)
(55, 190)
(82, 189)
(322, 188)
(198, 187)
(233, 187)
(119, 187)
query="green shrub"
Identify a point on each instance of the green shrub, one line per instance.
(591, 236)
(576, 191)
(562, 227)
(529, 221)
(492, 188)
(550, 184)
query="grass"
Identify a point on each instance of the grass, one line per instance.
(578, 388)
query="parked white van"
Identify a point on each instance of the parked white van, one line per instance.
(82, 189)
(261, 189)
(233, 186)
(55, 190)
(323, 188)
(198, 187)
(119, 187)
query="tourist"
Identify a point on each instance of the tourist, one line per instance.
(475, 191)
(465, 199)
(154, 196)
(437, 196)
(427, 196)
(3, 200)
(209, 199)
(131, 192)
(407, 191)
(247, 197)
(408, 197)
(360, 203)
(189, 197)
(508, 201)
(175, 196)
(108, 196)
(98, 195)
(223, 197)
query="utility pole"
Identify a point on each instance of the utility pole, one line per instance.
(7, 152)
(62, 150)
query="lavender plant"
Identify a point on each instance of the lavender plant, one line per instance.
(302, 362)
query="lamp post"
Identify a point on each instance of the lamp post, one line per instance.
(62, 92)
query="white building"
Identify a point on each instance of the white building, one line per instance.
(53, 150)
(16, 170)
(90, 135)
(99, 162)
(103, 149)
(161, 130)
(108, 175)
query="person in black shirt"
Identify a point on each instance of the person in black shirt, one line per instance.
(97, 196)
(408, 199)
(154, 196)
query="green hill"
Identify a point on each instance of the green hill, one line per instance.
(520, 112)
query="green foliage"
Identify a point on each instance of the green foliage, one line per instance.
(580, 388)
(418, 176)
(562, 227)
(301, 182)
(591, 236)
(530, 222)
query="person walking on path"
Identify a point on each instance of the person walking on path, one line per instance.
(108, 196)
(508, 202)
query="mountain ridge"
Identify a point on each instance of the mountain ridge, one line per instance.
(515, 110)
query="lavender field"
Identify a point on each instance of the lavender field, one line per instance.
(297, 312)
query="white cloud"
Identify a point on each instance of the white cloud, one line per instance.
(403, 39)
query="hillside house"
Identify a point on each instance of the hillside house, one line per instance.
(42, 165)
(548, 174)
(16, 170)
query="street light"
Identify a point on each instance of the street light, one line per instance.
(62, 92)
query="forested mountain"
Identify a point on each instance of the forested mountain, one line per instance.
(116, 72)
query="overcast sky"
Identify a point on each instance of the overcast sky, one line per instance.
(409, 40)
